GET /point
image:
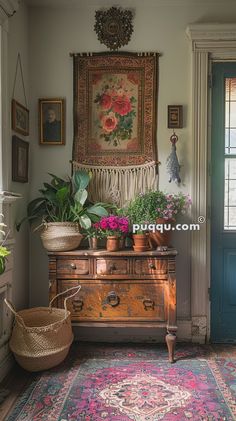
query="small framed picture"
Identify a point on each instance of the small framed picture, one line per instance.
(20, 160)
(175, 116)
(52, 121)
(20, 118)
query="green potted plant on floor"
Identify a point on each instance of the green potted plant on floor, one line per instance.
(62, 210)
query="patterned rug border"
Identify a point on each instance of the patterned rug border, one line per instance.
(225, 390)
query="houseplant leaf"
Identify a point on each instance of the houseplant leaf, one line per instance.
(85, 221)
(80, 180)
(81, 196)
(63, 194)
(97, 210)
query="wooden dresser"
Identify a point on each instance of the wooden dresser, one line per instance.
(118, 289)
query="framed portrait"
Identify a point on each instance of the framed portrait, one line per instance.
(20, 160)
(115, 105)
(175, 116)
(51, 121)
(20, 118)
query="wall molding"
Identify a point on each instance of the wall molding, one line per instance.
(209, 42)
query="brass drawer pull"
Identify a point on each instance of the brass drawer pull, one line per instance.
(78, 304)
(73, 266)
(113, 299)
(112, 267)
(148, 304)
(152, 266)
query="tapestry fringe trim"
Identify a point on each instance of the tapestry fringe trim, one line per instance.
(119, 185)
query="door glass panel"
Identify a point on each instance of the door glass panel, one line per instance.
(230, 153)
(230, 116)
(230, 194)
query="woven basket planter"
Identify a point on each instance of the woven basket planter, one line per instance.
(61, 236)
(41, 336)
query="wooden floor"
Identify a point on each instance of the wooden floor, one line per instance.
(16, 382)
(18, 379)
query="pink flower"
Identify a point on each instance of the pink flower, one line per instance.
(113, 225)
(105, 102)
(122, 105)
(124, 228)
(103, 224)
(109, 122)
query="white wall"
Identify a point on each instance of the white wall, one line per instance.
(19, 43)
(158, 26)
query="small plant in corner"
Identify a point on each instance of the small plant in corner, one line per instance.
(4, 252)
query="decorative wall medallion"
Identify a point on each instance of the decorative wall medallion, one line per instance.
(114, 27)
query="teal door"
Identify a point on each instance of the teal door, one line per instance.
(223, 206)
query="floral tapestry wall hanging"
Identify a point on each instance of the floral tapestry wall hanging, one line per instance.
(115, 105)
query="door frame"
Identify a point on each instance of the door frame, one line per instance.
(209, 42)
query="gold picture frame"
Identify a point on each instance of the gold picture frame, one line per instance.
(52, 121)
(20, 118)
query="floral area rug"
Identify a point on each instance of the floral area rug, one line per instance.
(124, 383)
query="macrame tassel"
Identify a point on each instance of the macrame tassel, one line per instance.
(172, 163)
(119, 184)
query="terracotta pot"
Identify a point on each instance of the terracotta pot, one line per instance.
(113, 243)
(162, 239)
(141, 242)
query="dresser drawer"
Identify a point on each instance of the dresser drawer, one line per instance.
(111, 266)
(72, 267)
(101, 301)
(150, 266)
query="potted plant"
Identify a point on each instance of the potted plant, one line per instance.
(4, 252)
(158, 208)
(63, 209)
(93, 234)
(113, 228)
(164, 209)
(137, 213)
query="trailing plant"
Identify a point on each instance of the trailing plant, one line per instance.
(65, 200)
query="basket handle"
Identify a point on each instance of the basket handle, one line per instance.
(67, 298)
(13, 310)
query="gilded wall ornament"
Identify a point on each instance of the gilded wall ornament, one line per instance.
(113, 27)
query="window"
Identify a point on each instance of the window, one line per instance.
(230, 155)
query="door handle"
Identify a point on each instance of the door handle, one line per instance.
(113, 299)
(77, 304)
(148, 304)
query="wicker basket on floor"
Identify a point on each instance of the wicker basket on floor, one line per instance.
(41, 336)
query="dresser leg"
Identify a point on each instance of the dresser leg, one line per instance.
(171, 341)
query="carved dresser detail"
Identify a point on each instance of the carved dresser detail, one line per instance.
(118, 289)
